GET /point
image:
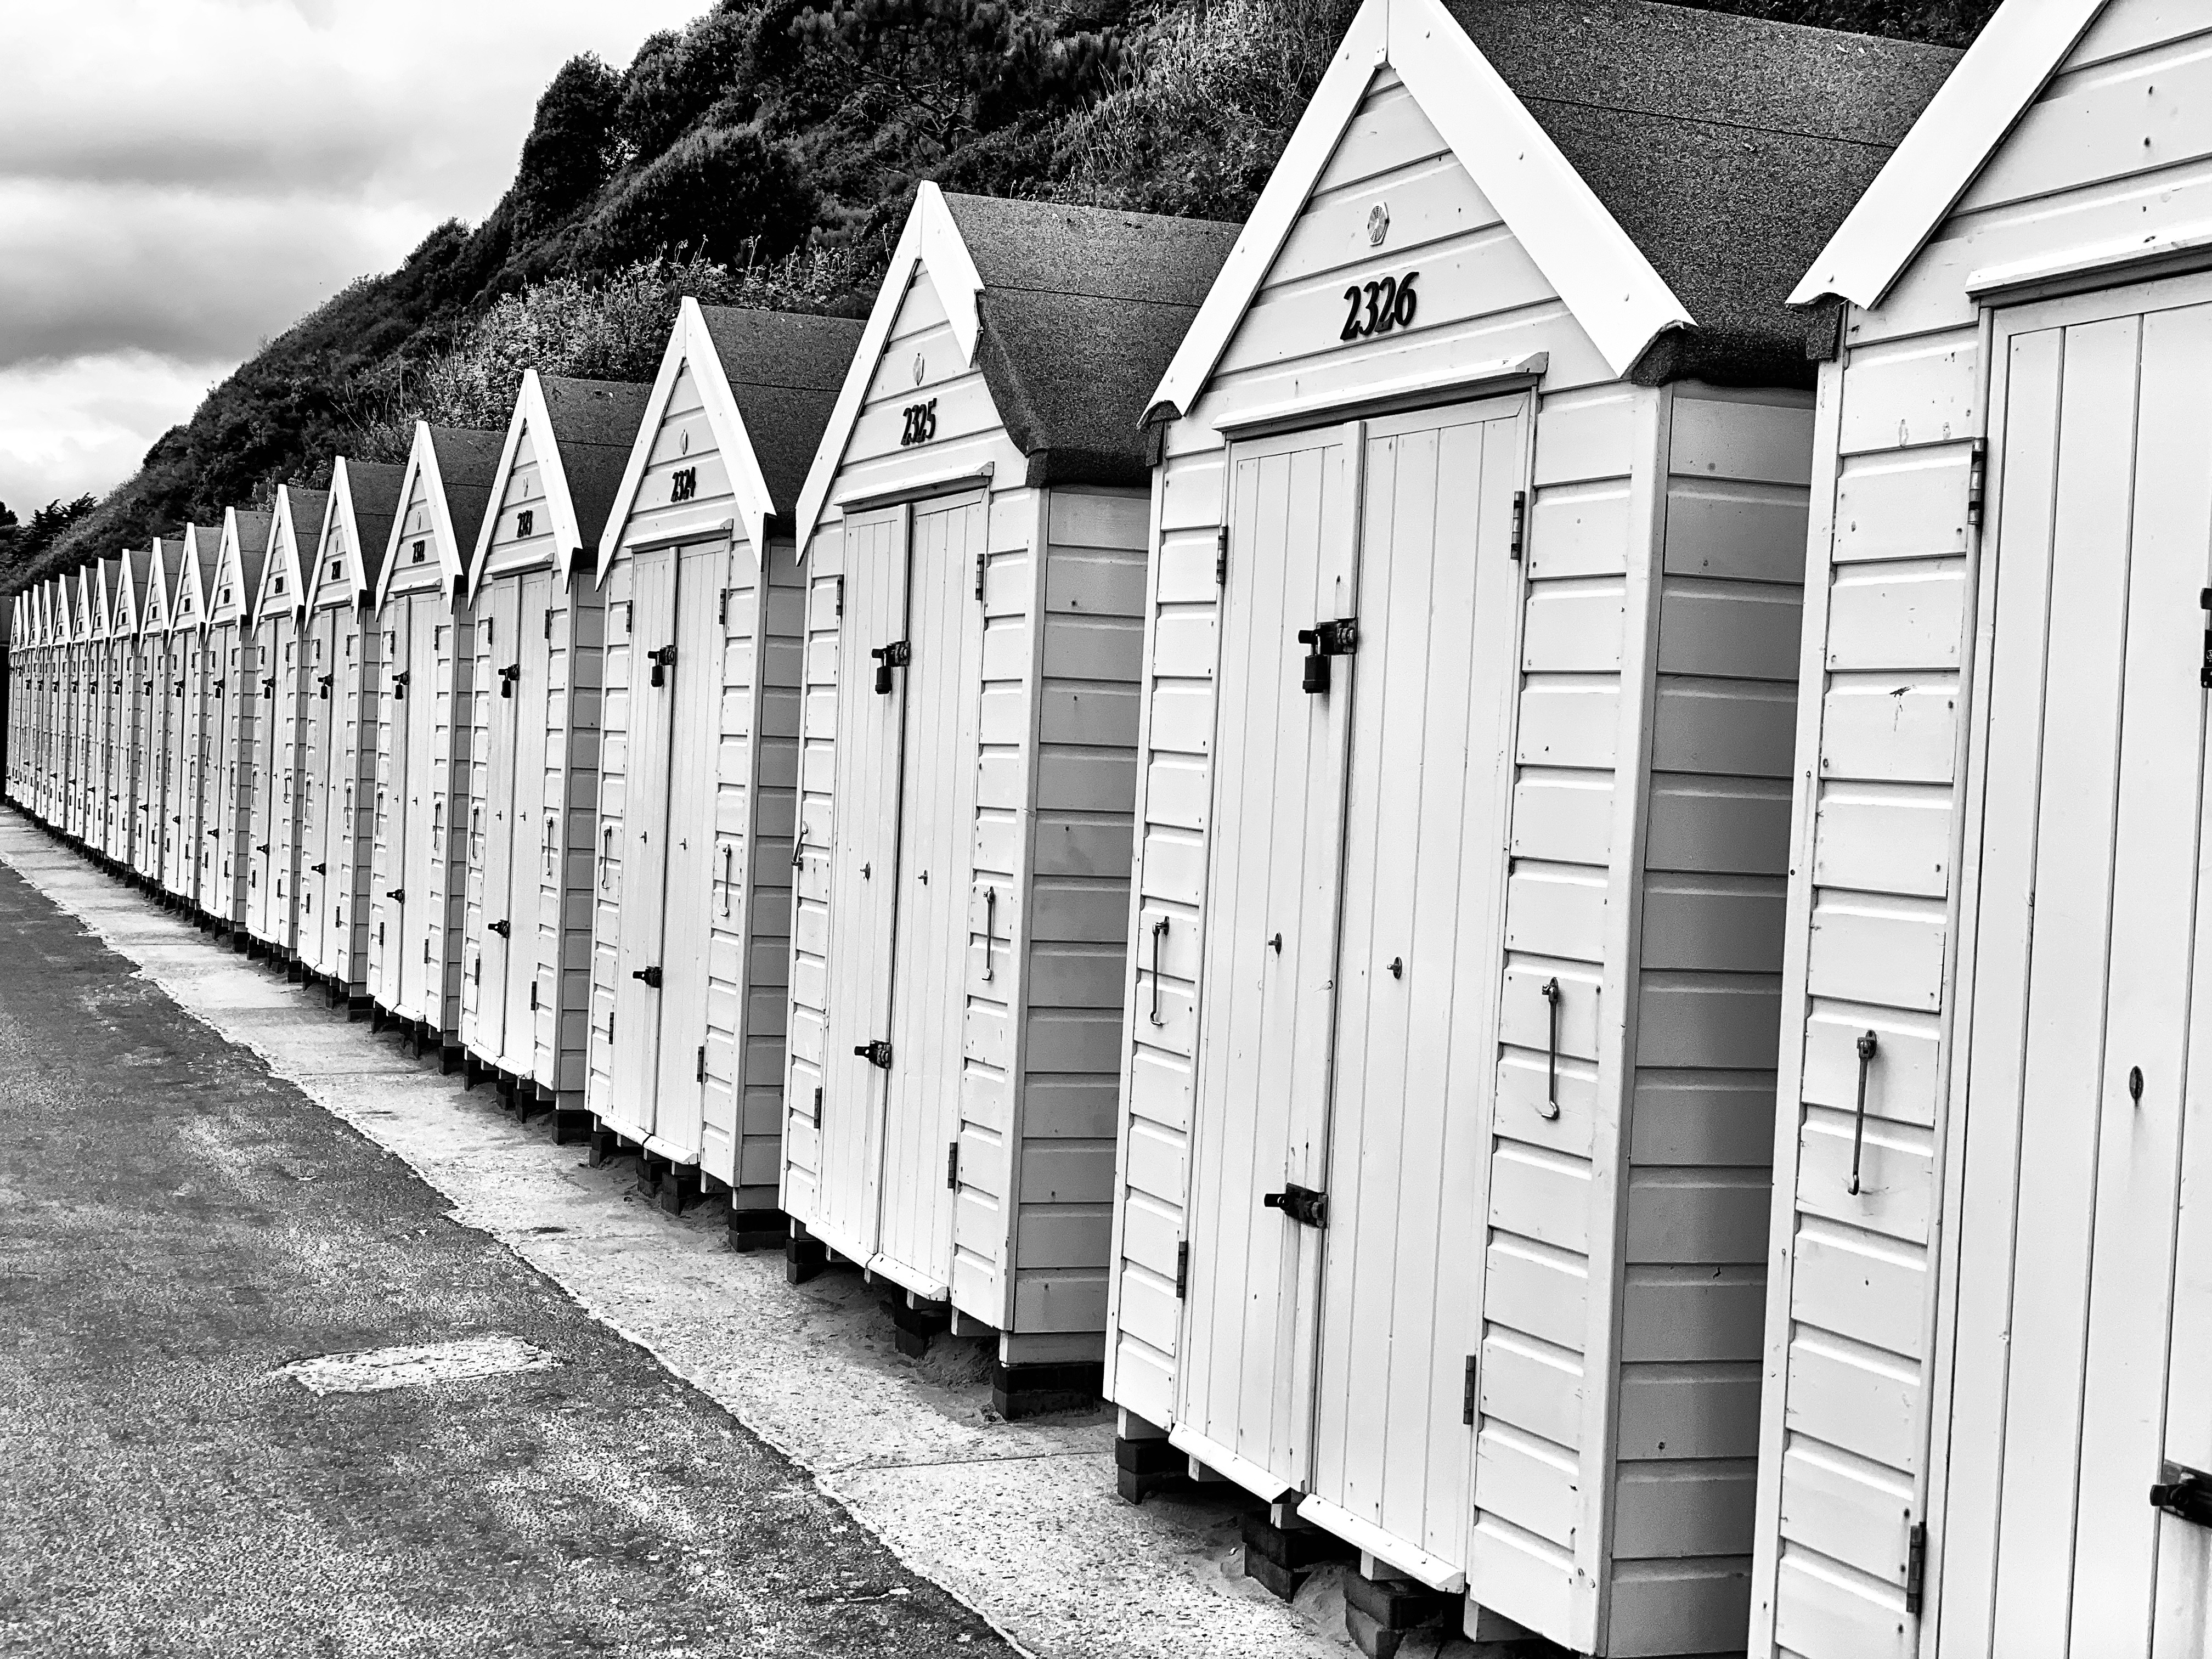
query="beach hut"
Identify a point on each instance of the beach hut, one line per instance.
(1463, 818)
(41, 694)
(186, 874)
(338, 762)
(18, 667)
(420, 860)
(88, 635)
(1991, 1300)
(274, 610)
(233, 722)
(157, 713)
(691, 883)
(110, 814)
(534, 746)
(54, 632)
(125, 754)
(973, 531)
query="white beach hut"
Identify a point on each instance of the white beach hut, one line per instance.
(276, 612)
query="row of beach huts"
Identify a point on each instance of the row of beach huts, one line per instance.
(1410, 839)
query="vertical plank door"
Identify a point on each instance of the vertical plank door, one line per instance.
(492, 819)
(2080, 1023)
(1421, 885)
(651, 624)
(527, 837)
(1266, 997)
(863, 881)
(929, 943)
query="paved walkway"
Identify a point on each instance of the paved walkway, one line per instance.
(207, 1175)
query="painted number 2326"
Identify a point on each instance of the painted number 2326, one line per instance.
(921, 423)
(1378, 307)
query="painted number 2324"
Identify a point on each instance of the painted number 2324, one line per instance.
(921, 423)
(1378, 307)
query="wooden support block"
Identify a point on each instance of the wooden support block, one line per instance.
(606, 1147)
(451, 1056)
(680, 1188)
(913, 1324)
(802, 1257)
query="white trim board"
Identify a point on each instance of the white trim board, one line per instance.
(1596, 268)
(421, 459)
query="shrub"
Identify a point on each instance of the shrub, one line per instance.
(571, 146)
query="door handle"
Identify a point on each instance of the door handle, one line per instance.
(318, 869)
(1300, 1204)
(1159, 932)
(650, 975)
(1550, 1109)
(1868, 1046)
(878, 1055)
(898, 654)
(398, 896)
(2185, 1493)
(503, 929)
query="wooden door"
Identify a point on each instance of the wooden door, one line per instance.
(527, 854)
(694, 688)
(1430, 714)
(863, 881)
(2077, 1052)
(310, 786)
(506, 699)
(929, 927)
(1244, 1376)
(652, 623)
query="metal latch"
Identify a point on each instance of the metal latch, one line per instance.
(319, 869)
(508, 676)
(650, 975)
(2185, 1493)
(876, 1054)
(398, 896)
(1301, 1204)
(662, 661)
(503, 929)
(898, 654)
(324, 681)
(400, 688)
(1324, 640)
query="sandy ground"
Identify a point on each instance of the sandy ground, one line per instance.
(1017, 1521)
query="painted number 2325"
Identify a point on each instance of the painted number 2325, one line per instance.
(921, 423)
(1378, 307)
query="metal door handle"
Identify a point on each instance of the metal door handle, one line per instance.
(1550, 1109)
(990, 928)
(606, 852)
(1300, 1204)
(1868, 1046)
(1159, 932)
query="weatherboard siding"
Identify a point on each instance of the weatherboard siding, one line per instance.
(2104, 151)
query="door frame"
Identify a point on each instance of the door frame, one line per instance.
(2000, 322)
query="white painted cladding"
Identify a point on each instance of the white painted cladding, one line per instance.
(702, 749)
(980, 1168)
(1889, 1324)
(1610, 1285)
(338, 767)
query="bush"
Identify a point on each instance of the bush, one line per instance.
(676, 76)
(725, 193)
(571, 146)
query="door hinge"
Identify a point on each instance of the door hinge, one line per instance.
(533, 996)
(650, 975)
(1520, 520)
(1322, 641)
(1978, 462)
(952, 1166)
(1221, 557)
(983, 568)
(610, 1025)
(698, 1074)
(818, 1108)
(1916, 1565)
(877, 1053)
(722, 610)
(2204, 670)
(549, 626)
(1182, 1268)
(1300, 1204)
(1466, 1392)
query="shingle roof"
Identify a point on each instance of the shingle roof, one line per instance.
(373, 487)
(254, 528)
(785, 371)
(1082, 309)
(595, 423)
(468, 460)
(1729, 149)
(142, 567)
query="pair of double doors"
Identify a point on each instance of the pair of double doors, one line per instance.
(516, 824)
(2082, 1247)
(270, 895)
(330, 695)
(409, 820)
(1349, 955)
(670, 859)
(910, 665)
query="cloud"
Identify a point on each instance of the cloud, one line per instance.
(180, 179)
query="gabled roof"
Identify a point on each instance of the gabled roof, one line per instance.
(299, 514)
(767, 380)
(91, 601)
(129, 604)
(244, 550)
(582, 433)
(2011, 61)
(196, 561)
(1070, 313)
(115, 598)
(1669, 170)
(364, 500)
(157, 589)
(456, 464)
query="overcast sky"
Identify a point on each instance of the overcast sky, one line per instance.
(180, 179)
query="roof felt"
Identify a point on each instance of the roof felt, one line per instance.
(142, 567)
(595, 424)
(468, 461)
(1082, 308)
(1728, 149)
(374, 488)
(308, 509)
(254, 529)
(785, 371)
